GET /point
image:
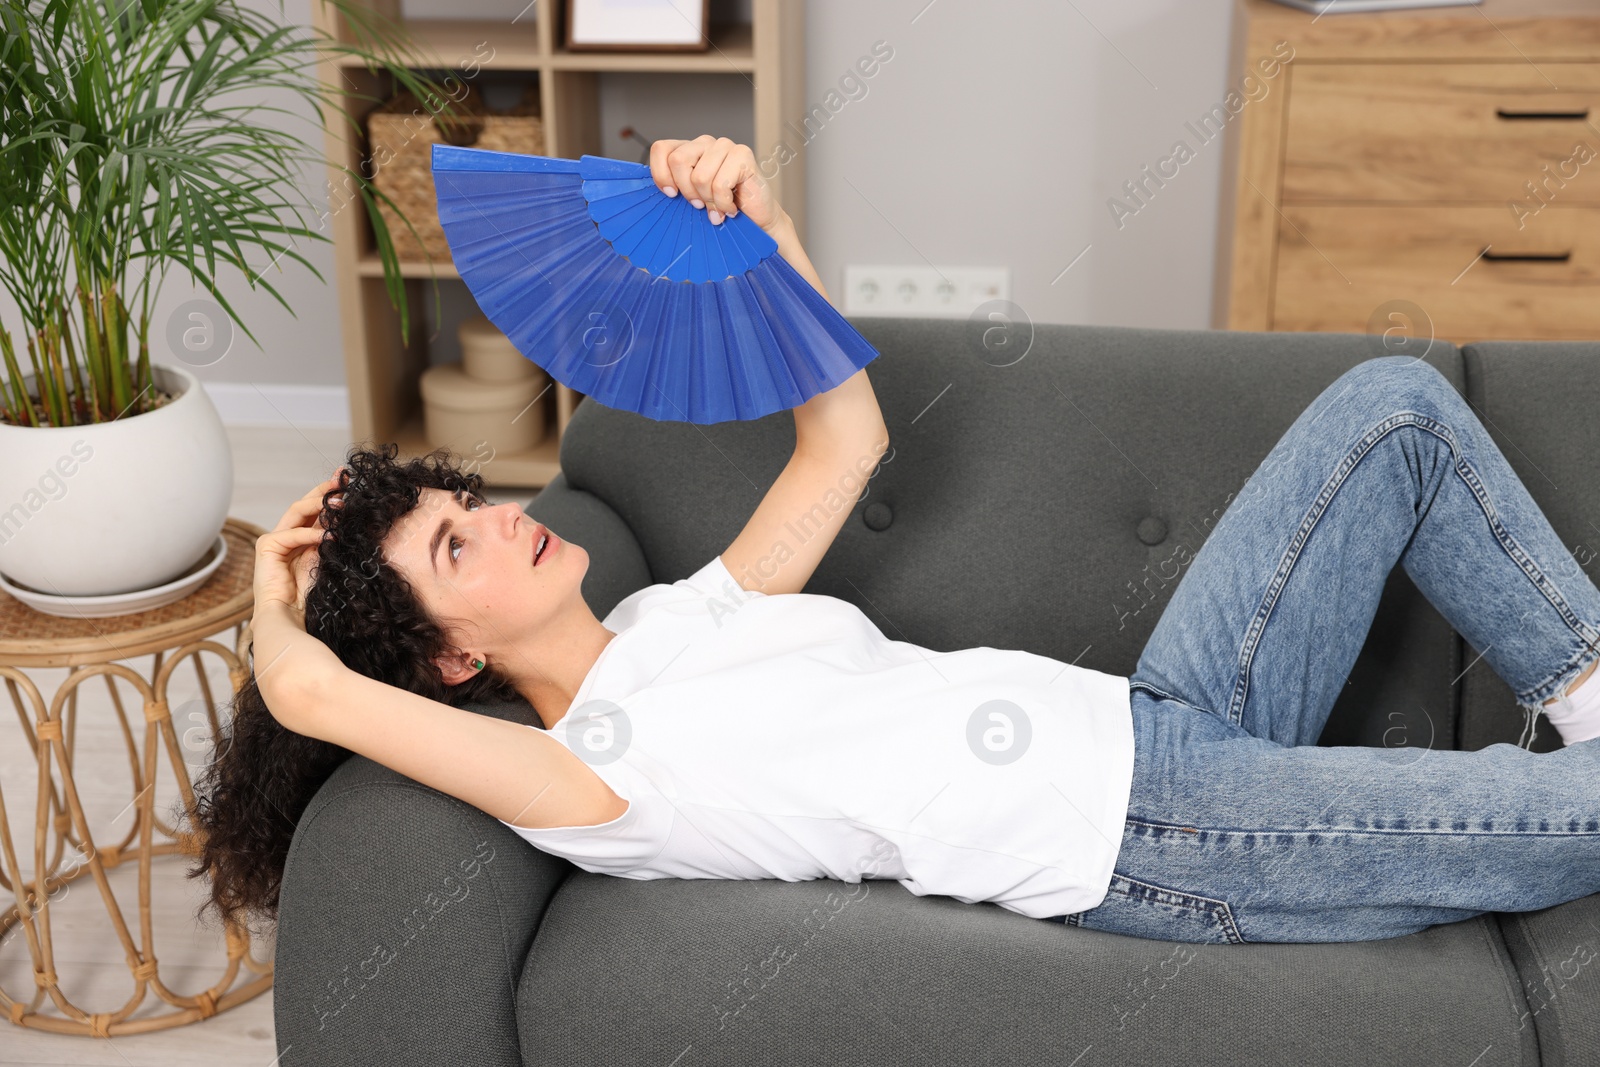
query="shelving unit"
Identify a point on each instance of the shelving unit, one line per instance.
(382, 367)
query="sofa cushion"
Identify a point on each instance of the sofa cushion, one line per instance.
(752, 973)
(1557, 953)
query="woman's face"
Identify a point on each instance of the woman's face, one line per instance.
(471, 566)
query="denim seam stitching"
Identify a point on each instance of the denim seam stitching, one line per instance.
(1235, 831)
(1164, 695)
(1519, 555)
(1319, 506)
(1217, 909)
(1291, 555)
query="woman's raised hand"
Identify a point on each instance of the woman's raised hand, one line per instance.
(284, 555)
(719, 175)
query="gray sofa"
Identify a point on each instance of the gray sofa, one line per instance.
(417, 930)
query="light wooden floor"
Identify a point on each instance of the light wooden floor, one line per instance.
(272, 467)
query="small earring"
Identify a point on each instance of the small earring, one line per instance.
(477, 664)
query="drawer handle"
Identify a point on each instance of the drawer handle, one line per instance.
(1576, 113)
(1525, 257)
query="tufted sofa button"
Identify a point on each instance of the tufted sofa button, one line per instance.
(1152, 531)
(877, 515)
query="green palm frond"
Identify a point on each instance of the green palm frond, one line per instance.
(153, 134)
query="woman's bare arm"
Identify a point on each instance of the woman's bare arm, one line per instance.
(514, 772)
(840, 437)
(789, 248)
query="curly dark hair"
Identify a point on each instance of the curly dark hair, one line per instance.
(262, 776)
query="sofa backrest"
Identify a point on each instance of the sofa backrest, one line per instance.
(1050, 502)
(1540, 401)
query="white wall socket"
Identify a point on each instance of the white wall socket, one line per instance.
(918, 292)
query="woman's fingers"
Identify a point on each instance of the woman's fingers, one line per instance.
(680, 165)
(295, 516)
(738, 167)
(709, 171)
(298, 514)
(683, 160)
(301, 566)
(307, 506)
(274, 577)
(658, 165)
(705, 170)
(280, 543)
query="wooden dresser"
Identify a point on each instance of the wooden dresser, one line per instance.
(1435, 170)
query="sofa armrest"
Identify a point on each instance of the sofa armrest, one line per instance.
(405, 918)
(405, 915)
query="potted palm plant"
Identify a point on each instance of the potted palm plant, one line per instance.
(136, 137)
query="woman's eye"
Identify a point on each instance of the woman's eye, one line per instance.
(472, 504)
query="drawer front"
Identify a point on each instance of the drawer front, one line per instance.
(1337, 264)
(1444, 131)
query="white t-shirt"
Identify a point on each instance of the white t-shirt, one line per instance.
(785, 736)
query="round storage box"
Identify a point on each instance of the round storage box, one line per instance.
(459, 411)
(488, 354)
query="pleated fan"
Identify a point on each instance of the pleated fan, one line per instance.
(633, 297)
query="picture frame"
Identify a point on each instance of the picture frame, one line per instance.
(638, 25)
(1340, 7)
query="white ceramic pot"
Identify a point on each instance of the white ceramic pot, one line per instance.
(118, 506)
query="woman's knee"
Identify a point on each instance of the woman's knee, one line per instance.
(1405, 383)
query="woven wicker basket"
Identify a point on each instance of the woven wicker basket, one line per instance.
(402, 132)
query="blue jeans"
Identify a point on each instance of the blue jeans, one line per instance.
(1240, 827)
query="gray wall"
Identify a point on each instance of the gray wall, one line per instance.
(995, 135)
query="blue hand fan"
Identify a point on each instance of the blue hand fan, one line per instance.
(633, 297)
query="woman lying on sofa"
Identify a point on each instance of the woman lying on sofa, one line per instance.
(729, 725)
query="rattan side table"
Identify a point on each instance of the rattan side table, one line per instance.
(89, 647)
